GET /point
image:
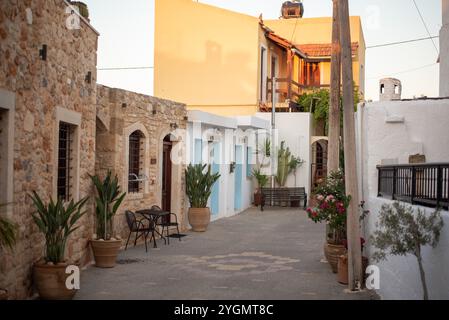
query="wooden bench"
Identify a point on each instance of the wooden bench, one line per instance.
(279, 196)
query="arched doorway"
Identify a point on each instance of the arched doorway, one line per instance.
(319, 163)
(166, 174)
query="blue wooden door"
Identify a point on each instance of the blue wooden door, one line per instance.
(238, 178)
(215, 196)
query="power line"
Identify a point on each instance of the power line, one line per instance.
(124, 68)
(405, 71)
(294, 30)
(400, 42)
(425, 26)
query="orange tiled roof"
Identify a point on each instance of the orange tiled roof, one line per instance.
(323, 50)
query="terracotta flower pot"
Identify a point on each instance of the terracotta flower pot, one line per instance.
(105, 252)
(257, 199)
(342, 275)
(332, 252)
(199, 219)
(3, 295)
(50, 281)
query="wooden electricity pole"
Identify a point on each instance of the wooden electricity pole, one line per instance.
(334, 107)
(353, 229)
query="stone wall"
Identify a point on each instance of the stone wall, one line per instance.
(120, 113)
(39, 88)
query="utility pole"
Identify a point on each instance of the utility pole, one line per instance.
(353, 227)
(334, 106)
(273, 130)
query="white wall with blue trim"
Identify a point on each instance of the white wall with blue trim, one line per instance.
(218, 141)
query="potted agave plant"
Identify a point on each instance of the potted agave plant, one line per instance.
(7, 241)
(199, 183)
(331, 207)
(56, 220)
(105, 245)
(262, 180)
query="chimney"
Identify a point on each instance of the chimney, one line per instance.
(390, 89)
(292, 9)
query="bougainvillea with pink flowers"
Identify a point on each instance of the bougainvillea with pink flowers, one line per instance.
(331, 206)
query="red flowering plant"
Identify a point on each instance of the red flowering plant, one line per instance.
(331, 206)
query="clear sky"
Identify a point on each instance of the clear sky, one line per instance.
(127, 34)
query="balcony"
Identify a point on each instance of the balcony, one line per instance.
(288, 92)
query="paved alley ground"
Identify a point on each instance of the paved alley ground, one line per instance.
(275, 254)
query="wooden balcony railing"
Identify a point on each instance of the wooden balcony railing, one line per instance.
(420, 184)
(290, 89)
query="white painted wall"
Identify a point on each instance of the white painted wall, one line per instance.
(229, 131)
(393, 130)
(390, 132)
(444, 51)
(295, 130)
(399, 276)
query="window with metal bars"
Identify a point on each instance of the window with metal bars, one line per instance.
(65, 161)
(135, 140)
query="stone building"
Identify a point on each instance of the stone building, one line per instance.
(135, 135)
(53, 118)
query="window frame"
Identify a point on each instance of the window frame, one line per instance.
(73, 119)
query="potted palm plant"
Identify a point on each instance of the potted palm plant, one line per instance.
(7, 240)
(262, 180)
(56, 221)
(105, 245)
(199, 183)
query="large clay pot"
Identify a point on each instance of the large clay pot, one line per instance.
(342, 275)
(105, 252)
(199, 219)
(3, 295)
(332, 252)
(257, 199)
(50, 281)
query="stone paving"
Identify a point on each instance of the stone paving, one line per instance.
(275, 254)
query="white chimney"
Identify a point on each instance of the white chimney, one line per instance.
(444, 51)
(390, 89)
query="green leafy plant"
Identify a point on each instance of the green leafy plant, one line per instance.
(7, 232)
(287, 163)
(199, 183)
(402, 231)
(317, 102)
(262, 179)
(107, 202)
(265, 148)
(331, 206)
(56, 221)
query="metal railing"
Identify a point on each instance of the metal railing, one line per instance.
(420, 184)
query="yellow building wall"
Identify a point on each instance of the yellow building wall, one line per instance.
(206, 57)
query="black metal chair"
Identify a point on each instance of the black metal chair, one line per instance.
(139, 227)
(167, 222)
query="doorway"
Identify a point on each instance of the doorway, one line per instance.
(166, 174)
(238, 178)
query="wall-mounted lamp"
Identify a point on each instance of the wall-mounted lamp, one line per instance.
(43, 52)
(88, 78)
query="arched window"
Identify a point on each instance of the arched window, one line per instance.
(135, 161)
